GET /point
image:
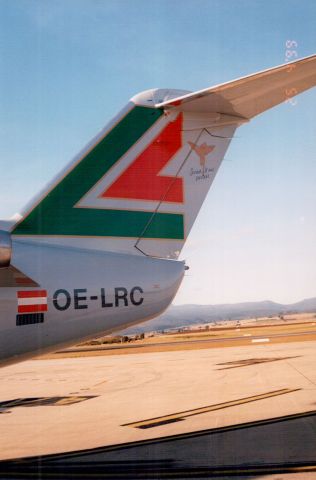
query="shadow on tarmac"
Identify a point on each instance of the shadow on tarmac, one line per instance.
(249, 450)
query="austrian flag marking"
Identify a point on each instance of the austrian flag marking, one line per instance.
(32, 301)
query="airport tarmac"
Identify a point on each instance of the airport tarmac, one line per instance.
(244, 411)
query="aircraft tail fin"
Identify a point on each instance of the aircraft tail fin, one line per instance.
(139, 185)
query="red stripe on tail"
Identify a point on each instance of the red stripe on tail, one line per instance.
(142, 181)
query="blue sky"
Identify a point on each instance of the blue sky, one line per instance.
(68, 66)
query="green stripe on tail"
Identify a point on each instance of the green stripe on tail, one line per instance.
(56, 215)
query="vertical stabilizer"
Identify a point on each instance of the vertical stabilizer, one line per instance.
(139, 185)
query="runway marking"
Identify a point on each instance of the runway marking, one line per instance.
(100, 383)
(260, 340)
(179, 416)
(252, 361)
(43, 401)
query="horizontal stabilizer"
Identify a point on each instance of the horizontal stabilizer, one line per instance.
(248, 96)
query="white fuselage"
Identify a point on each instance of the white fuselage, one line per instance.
(87, 293)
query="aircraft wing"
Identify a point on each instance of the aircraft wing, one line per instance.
(12, 277)
(248, 96)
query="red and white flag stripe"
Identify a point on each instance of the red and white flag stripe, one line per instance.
(32, 301)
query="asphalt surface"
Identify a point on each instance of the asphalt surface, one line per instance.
(239, 412)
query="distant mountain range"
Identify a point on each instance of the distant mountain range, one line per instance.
(183, 315)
